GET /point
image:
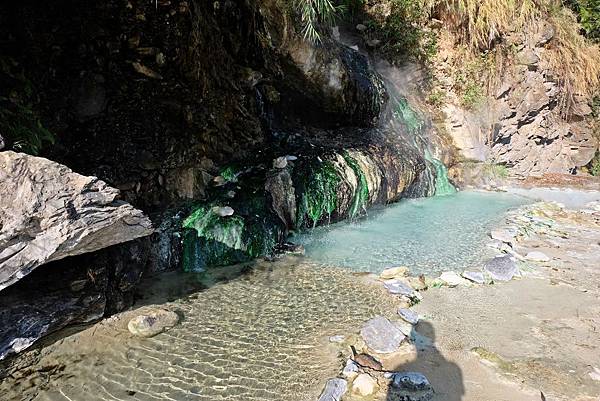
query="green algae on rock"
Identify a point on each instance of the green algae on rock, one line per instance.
(213, 240)
(319, 198)
(361, 194)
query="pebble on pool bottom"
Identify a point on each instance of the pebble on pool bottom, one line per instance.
(152, 322)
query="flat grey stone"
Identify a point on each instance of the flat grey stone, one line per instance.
(398, 287)
(476, 277)
(409, 315)
(334, 390)
(337, 339)
(381, 335)
(502, 268)
(451, 279)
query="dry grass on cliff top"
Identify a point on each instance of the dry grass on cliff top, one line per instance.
(574, 60)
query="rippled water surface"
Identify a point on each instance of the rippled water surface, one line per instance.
(260, 336)
(428, 235)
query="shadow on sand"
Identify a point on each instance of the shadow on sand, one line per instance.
(445, 377)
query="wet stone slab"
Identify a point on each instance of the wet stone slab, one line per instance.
(381, 335)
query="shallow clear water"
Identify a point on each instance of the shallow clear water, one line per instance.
(427, 235)
(262, 335)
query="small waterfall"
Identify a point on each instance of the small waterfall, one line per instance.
(435, 177)
(442, 184)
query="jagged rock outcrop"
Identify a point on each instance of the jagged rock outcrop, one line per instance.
(48, 212)
(58, 222)
(525, 124)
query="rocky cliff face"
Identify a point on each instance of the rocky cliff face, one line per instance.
(214, 116)
(522, 124)
(48, 212)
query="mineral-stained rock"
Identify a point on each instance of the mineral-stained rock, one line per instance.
(152, 322)
(334, 390)
(48, 212)
(366, 360)
(283, 199)
(381, 335)
(501, 268)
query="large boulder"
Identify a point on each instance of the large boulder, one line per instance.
(48, 212)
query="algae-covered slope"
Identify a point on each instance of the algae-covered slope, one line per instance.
(254, 210)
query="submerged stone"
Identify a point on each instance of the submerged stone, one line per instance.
(152, 323)
(502, 268)
(337, 339)
(366, 360)
(381, 335)
(280, 162)
(398, 287)
(334, 390)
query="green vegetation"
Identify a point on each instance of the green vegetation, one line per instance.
(472, 95)
(319, 198)
(316, 15)
(436, 97)
(213, 240)
(573, 58)
(403, 31)
(361, 196)
(588, 14)
(20, 126)
(22, 129)
(494, 170)
(229, 173)
(595, 165)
